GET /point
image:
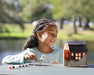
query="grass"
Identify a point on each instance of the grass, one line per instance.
(14, 31)
(68, 34)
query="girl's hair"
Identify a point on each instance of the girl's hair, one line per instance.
(32, 41)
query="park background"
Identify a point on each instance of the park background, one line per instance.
(74, 19)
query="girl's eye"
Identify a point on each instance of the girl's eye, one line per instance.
(53, 34)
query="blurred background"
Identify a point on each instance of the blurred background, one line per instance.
(74, 19)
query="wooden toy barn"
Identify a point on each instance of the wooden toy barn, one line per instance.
(75, 54)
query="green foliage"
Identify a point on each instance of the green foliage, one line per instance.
(35, 9)
(9, 14)
(69, 8)
(62, 8)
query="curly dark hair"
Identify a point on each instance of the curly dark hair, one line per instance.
(32, 41)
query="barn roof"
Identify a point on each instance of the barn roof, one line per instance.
(77, 46)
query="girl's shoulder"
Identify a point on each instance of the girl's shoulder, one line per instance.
(32, 49)
(57, 49)
(28, 50)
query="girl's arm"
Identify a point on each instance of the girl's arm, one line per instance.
(24, 57)
(13, 59)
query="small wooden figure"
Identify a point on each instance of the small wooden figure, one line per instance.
(75, 54)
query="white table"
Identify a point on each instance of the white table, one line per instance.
(50, 69)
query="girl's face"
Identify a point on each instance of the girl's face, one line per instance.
(49, 35)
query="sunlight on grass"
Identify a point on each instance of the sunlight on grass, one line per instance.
(14, 31)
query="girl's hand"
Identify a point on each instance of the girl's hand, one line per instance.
(30, 56)
(54, 62)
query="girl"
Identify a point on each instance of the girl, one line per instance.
(39, 45)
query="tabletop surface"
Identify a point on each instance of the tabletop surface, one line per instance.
(48, 69)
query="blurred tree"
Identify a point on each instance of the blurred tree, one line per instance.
(80, 25)
(87, 7)
(35, 9)
(8, 14)
(58, 11)
(63, 9)
(83, 8)
(69, 8)
(74, 24)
